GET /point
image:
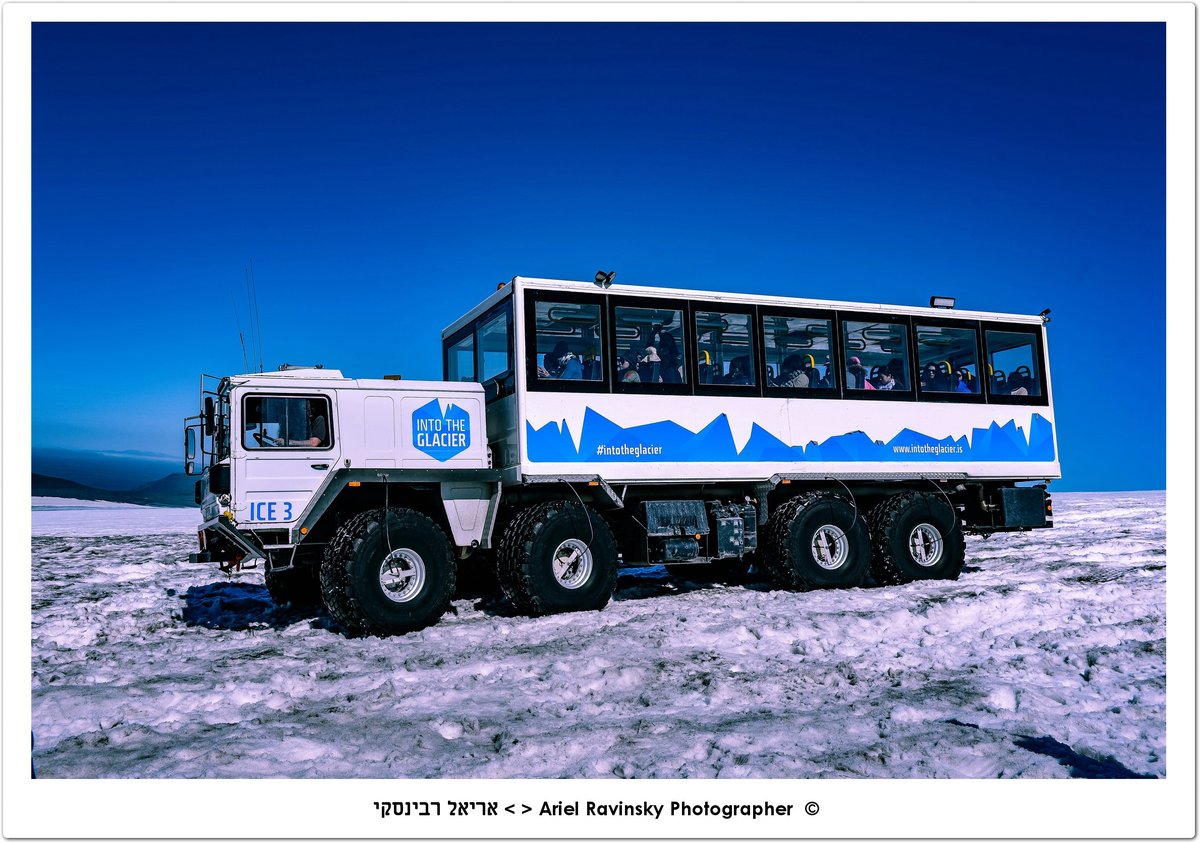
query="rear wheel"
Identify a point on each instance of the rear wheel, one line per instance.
(817, 540)
(388, 572)
(557, 556)
(916, 536)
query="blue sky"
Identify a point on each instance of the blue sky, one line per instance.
(384, 178)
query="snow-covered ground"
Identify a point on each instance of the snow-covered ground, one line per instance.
(1046, 659)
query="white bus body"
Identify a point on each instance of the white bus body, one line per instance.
(659, 436)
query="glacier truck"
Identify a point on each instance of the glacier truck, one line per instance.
(581, 427)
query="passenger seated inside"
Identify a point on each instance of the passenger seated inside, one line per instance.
(945, 377)
(793, 376)
(627, 368)
(650, 366)
(928, 376)
(672, 368)
(809, 367)
(857, 375)
(886, 380)
(965, 381)
(1020, 382)
(561, 363)
(896, 367)
(935, 377)
(739, 371)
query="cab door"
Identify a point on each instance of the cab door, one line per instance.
(288, 447)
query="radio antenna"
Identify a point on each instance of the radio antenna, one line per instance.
(249, 312)
(257, 319)
(241, 337)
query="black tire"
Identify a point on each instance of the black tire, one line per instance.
(557, 556)
(816, 540)
(916, 536)
(388, 572)
(299, 587)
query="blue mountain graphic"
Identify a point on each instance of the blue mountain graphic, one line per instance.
(602, 440)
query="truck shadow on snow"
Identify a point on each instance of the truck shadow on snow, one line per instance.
(243, 606)
(240, 606)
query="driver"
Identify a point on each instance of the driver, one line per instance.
(319, 431)
(318, 428)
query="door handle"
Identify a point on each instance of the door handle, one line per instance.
(320, 466)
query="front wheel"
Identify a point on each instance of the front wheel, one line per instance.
(557, 556)
(917, 536)
(817, 540)
(388, 571)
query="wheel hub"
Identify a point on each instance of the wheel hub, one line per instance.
(572, 563)
(402, 575)
(925, 545)
(830, 547)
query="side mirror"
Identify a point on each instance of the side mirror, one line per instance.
(209, 416)
(189, 447)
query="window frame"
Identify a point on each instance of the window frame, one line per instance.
(650, 303)
(766, 390)
(454, 339)
(905, 322)
(500, 384)
(1039, 350)
(286, 449)
(503, 383)
(947, 397)
(753, 390)
(535, 384)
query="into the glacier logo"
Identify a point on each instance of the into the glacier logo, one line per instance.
(440, 434)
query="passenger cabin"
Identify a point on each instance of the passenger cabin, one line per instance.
(646, 385)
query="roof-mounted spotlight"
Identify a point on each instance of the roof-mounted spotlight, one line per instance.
(604, 279)
(1045, 314)
(942, 301)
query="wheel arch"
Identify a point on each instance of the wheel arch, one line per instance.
(351, 491)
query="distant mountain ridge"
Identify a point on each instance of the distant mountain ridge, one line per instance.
(111, 470)
(172, 490)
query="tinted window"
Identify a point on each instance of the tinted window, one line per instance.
(724, 348)
(275, 421)
(948, 359)
(567, 341)
(1012, 363)
(876, 355)
(798, 352)
(650, 346)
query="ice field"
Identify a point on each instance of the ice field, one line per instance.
(1046, 659)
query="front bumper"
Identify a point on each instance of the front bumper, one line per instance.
(220, 542)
